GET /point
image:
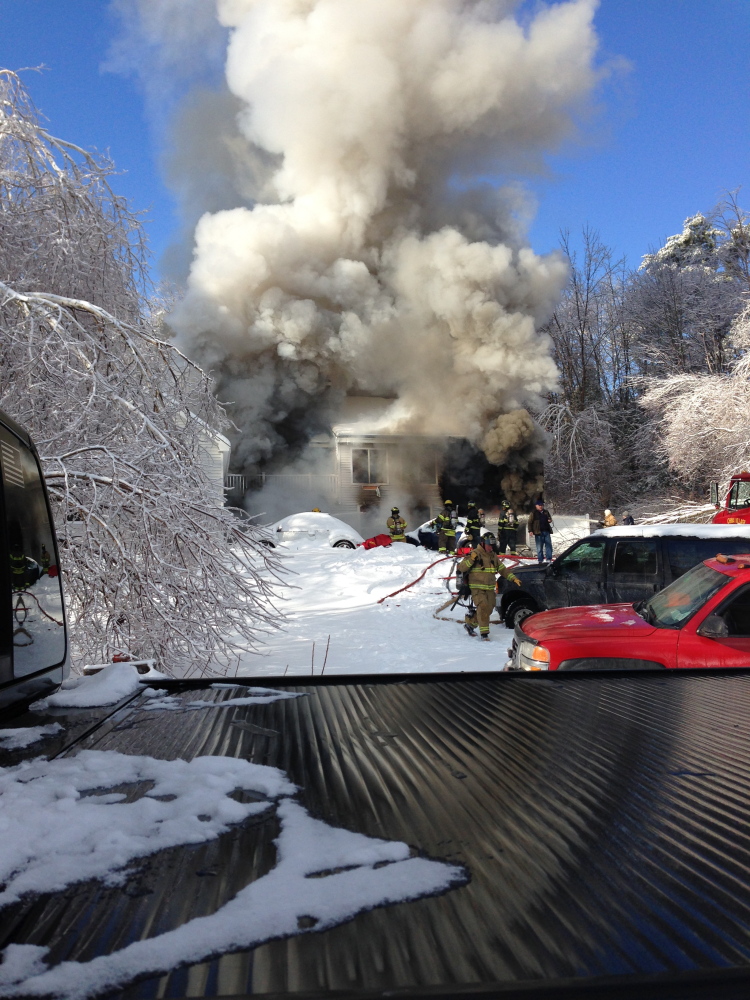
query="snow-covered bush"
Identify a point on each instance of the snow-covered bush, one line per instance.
(154, 565)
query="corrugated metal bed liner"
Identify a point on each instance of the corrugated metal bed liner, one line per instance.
(604, 822)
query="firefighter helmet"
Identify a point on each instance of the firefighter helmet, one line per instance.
(471, 504)
(506, 505)
(394, 510)
(447, 503)
(487, 538)
(316, 510)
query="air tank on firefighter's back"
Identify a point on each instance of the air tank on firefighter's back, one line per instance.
(467, 475)
(34, 656)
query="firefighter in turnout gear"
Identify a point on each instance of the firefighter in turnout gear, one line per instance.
(445, 524)
(481, 567)
(396, 525)
(507, 525)
(473, 523)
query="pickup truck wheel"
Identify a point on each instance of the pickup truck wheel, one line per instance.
(517, 611)
(343, 544)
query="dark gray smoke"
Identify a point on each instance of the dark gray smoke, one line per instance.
(364, 252)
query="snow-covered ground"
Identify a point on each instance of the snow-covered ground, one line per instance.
(330, 602)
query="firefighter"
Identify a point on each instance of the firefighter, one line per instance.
(473, 523)
(507, 525)
(396, 525)
(445, 525)
(481, 567)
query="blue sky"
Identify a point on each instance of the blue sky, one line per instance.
(669, 138)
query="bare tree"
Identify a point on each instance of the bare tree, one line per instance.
(154, 564)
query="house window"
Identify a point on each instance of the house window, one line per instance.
(369, 465)
(424, 469)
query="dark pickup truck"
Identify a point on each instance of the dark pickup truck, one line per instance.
(616, 565)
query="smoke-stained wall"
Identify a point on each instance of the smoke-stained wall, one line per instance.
(366, 251)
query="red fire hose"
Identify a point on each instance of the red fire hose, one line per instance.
(442, 559)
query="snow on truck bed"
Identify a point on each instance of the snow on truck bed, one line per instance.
(717, 531)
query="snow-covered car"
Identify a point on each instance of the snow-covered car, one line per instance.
(313, 528)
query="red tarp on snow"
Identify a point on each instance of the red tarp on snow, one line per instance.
(375, 541)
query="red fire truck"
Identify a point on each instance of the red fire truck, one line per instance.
(736, 507)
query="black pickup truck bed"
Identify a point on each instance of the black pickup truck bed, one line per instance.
(604, 822)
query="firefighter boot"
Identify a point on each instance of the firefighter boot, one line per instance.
(470, 628)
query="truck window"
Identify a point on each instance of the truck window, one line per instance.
(638, 557)
(740, 494)
(684, 553)
(584, 560)
(37, 619)
(736, 613)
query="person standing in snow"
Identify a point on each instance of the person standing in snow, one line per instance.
(473, 524)
(610, 521)
(507, 524)
(445, 524)
(481, 567)
(396, 526)
(627, 517)
(540, 526)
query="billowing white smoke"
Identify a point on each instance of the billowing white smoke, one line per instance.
(370, 256)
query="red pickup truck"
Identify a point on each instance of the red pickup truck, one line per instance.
(700, 620)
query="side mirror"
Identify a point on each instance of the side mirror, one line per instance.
(714, 627)
(715, 494)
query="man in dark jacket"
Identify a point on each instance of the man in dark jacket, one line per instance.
(482, 566)
(540, 526)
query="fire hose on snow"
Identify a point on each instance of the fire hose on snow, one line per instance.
(421, 576)
(454, 599)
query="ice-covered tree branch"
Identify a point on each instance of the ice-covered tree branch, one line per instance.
(154, 564)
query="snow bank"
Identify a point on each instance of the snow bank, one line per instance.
(115, 682)
(323, 876)
(17, 739)
(332, 618)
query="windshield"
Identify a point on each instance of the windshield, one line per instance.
(681, 599)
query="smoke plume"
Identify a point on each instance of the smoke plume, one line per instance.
(367, 252)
